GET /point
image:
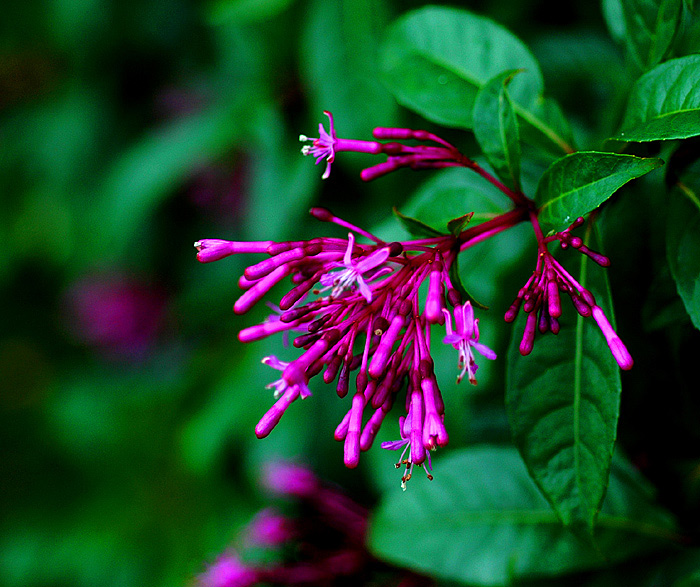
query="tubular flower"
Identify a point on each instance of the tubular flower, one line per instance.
(356, 310)
(372, 326)
(540, 298)
(464, 338)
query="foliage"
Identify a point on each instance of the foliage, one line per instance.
(128, 403)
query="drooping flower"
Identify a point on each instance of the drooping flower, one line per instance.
(464, 338)
(372, 324)
(540, 297)
(405, 444)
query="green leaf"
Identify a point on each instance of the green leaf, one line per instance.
(578, 183)
(221, 11)
(451, 193)
(456, 225)
(483, 522)
(416, 227)
(615, 19)
(496, 128)
(436, 59)
(563, 403)
(544, 125)
(683, 248)
(650, 27)
(664, 103)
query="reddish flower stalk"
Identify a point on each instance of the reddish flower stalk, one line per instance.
(399, 155)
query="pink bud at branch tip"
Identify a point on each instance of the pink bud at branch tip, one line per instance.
(617, 347)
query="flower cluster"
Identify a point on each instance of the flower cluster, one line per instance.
(358, 307)
(540, 297)
(321, 540)
(357, 310)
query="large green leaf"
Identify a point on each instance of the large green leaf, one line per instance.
(683, 247)
(496, 128)
(482, 521)
(578, 183)
(650, 27)
(664, 103)
(436, 59)
(615, 19)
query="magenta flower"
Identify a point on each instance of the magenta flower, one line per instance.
(375, 326)
(372, 328)
(464, 338)
(323, 147)
(540, 297)
(322, 542)
(118, 316)
(282, 385)
(328, 144)
(270, 528)
(228, 571)
(353, 270)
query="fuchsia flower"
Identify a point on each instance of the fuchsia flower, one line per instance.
(323, 147)
(353, 271)
(228, 571)
(540, 298)
(320, 541)
(328, 144)
(118, 316)
(464, 338)
(405, 443)
(373, 323)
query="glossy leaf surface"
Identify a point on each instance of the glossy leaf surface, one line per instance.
(496, 128)
(483, 522)
(650, 27)
(578, 183)
(664, 103)
(427, 75)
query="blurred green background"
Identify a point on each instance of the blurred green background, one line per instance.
(128, 130)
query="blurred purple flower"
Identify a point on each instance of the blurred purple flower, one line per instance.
(322, 541)
(118, 316)
(228, 571)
